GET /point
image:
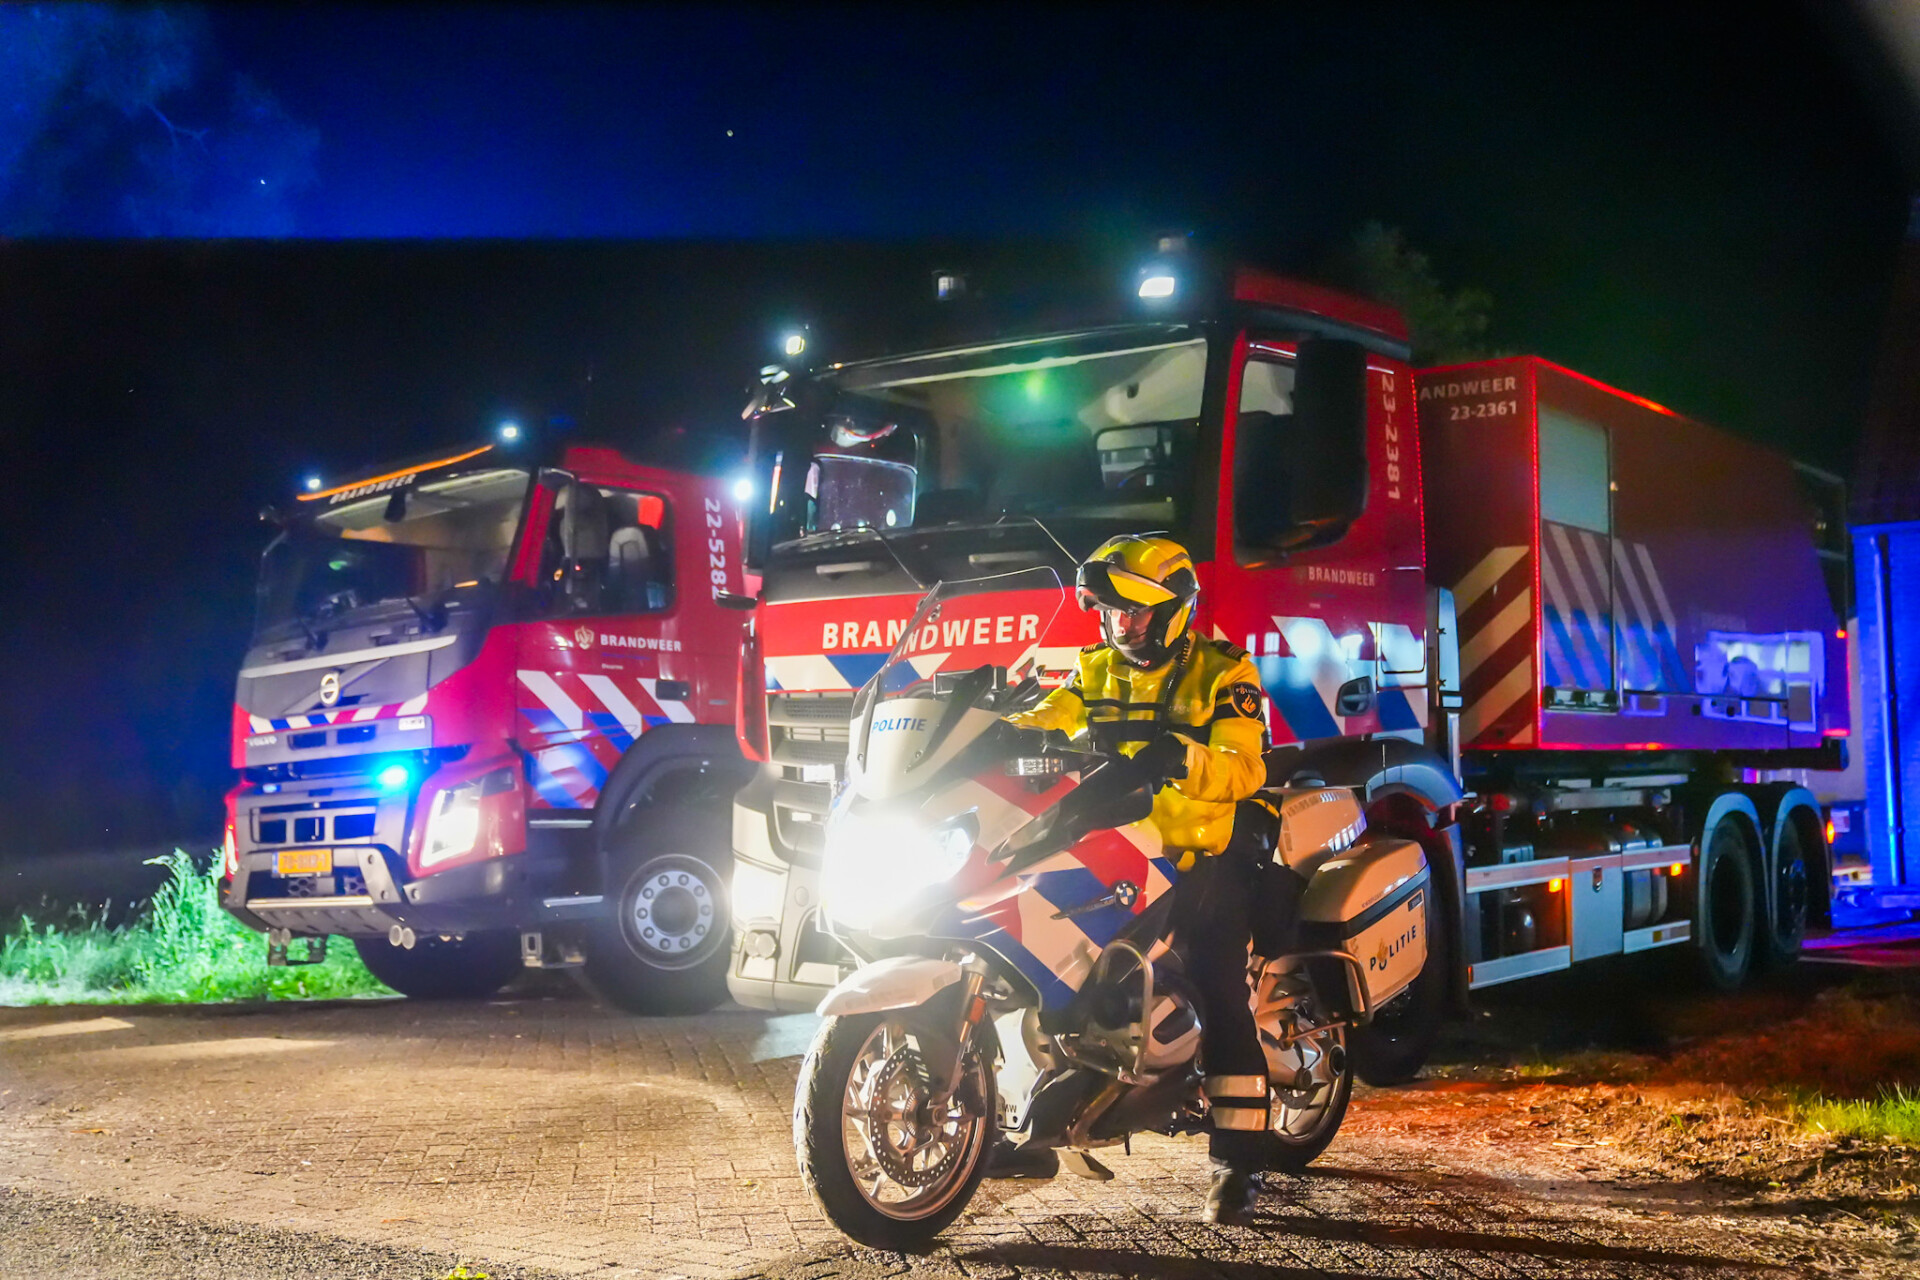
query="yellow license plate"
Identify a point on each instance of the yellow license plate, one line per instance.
(303, 862)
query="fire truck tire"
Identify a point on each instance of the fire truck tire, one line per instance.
(666, 945)
(469, 968)
(1727, 892)
(1783, 926)
(1395, 1045)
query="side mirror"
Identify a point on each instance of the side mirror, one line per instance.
(1300, 479)
(735, 601)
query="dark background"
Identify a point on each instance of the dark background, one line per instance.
(245, 244)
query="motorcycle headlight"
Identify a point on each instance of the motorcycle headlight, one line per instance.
(877, 864)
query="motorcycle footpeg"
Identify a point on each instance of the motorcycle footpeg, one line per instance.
(1082, 1165)
(1017, 1160)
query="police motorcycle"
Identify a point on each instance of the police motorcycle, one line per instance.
(1010, 906)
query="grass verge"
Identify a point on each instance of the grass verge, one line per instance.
(1892, 1117)
(183, 949)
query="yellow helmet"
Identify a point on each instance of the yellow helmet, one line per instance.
(1141, 571)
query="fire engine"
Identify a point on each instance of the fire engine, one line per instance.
(1550, 630)
(486, 721)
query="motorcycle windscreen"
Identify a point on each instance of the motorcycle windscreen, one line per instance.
(970, 640)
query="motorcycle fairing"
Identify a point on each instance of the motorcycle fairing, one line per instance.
(1018, 916)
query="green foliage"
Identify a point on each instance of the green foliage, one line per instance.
(183, 949)
(1893, 1116)
(1446, 327)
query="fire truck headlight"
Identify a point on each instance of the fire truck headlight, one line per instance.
(758, 893)
(743, 489)
(1158, 285)
(454, 826)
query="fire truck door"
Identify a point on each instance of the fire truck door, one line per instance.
(1576, 562)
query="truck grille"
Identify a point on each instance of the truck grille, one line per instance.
(806, 732)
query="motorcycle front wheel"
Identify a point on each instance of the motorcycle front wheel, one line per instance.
(888, 1163)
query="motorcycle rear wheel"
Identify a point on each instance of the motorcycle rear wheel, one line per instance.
(888, 1169)
(1305, 1122)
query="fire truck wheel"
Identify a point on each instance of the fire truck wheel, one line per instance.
(1784, 927)
(665, 947)
(1726, 905)
(469, 968)
(1394, 1046)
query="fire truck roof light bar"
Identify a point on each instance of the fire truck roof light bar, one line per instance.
(394, 475)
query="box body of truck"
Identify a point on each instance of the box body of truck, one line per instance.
(1625, 578)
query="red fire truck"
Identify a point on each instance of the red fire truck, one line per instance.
(1542, 626)
(486, 720)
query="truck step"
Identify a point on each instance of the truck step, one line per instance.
(541, 950)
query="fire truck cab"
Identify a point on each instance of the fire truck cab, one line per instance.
(486, 720)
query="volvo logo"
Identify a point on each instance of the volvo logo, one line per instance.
(329, 688)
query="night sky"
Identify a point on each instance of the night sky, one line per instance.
(240, 244)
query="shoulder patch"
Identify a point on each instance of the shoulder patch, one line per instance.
(1095, 647)
(1233, 651)
(1240, 701)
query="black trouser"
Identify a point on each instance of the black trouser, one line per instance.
(1216, 906)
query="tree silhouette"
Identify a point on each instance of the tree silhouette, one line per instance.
(1446, 328)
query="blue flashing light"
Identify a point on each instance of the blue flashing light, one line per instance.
(509, 432)
(393, 777)
(271, 788)
(312, 483)
(743, 489)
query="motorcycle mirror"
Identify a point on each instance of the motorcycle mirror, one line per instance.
(1133, 806)
(1021, 696)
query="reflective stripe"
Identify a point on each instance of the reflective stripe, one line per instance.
(1254, 1118)
(1236, 1086)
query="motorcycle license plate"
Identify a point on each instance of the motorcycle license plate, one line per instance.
(303, 862)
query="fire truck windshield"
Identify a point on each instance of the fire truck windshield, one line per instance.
(426, 548)
(1095, 427)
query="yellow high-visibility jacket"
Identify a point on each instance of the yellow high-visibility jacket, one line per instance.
(1216, 705)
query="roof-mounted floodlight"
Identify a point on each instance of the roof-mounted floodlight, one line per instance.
(794, 344)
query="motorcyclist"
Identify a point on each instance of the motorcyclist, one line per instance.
(1189, 711)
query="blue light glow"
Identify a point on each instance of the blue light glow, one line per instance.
(743, 489)
(509, 431)
(312, 483)
(393, 777)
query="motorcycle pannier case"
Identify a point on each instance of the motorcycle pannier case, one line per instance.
(1371, 902)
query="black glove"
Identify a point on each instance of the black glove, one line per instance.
(1164, 758)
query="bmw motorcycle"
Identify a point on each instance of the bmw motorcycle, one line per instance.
(1020, 983)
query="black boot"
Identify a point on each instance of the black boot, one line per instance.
(1230, 1196)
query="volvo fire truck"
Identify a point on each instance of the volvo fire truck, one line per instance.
(1549, 629)
(486, 721)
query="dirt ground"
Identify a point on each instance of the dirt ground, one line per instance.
(541, 1135)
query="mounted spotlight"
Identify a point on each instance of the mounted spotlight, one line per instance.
(743, 489)
(311, 484)
(509, 432)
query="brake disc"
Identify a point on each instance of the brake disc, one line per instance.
(903, 1069)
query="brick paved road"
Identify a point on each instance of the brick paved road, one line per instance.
(549, 1134)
